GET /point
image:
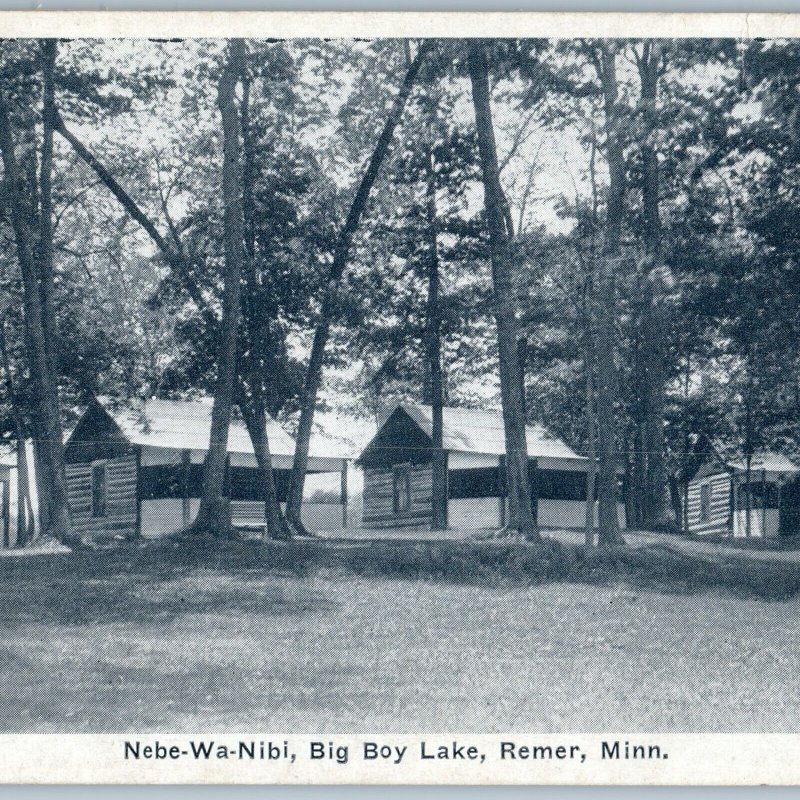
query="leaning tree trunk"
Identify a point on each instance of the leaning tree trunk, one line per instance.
(308, 400)
(520, 510)
(214, 515)
(48, 432)
(606, 372)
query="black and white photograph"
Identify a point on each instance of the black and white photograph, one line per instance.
(400, 385)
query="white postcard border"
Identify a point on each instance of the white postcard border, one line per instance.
(443, 759)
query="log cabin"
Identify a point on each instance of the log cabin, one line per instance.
(137, 470)
(398, 476)
(717, 497)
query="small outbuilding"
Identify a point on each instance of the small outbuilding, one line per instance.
(398, 477)
(717, 497)
(138, 470)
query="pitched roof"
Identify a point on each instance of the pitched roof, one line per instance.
(186, 425)
(469, 430)
(768, 461)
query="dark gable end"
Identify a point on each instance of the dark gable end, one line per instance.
(714, 466)
(399, 441)
(96, 437)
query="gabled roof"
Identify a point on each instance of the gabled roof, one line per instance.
(767, 461)
(186, 425)
(468, 430)
(771, 462)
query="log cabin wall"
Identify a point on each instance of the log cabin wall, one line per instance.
(119, 509)
(718, 517)
(380, 510)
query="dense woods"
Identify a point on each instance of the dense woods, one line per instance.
(600, 236)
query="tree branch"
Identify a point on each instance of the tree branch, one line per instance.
(173, 255)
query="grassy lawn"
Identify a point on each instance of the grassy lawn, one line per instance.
(397, 638)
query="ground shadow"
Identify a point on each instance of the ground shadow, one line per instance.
(152, 583)
(655, 567)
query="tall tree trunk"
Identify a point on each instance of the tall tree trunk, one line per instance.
(635, 454)
(25, 520)
(685, 506)
(748, 495)
(251, 402)
(629, 497)
(214, 515)
(59, 498)
(255, 417)
(26, 523)
(685, 477)
(675, 498)
(433, 345)
(589, 347)
(520, 510)
(341, 253)
(591, 422)
(45, 249)
(749, 438)
(40, 475)
(654, 327)
(637, 488)
(608, 533)
(38, 319)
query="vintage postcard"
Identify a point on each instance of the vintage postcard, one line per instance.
(399, 398)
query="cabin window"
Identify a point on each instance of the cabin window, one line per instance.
(402, 488)
(99, 490)
(705, 502)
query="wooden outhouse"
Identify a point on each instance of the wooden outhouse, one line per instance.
(717, 497)
(137, 470)
(398, 476)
